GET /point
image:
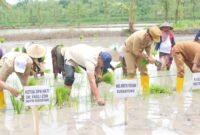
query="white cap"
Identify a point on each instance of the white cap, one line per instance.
(20, 64)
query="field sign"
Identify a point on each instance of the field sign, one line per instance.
(196, 81)
(126, 88)
(36, 95)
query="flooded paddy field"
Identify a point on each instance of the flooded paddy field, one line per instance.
(175, 114)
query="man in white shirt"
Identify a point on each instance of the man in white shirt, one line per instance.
(94, 60)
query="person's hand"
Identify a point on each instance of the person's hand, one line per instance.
(100, 103)
(14, 92)
(151, 60)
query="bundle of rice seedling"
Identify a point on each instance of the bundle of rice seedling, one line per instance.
(17, 49)
(78, 69)
(157, 89)
(17, 104)
(143, 62)
(62, 95)
(108, 77)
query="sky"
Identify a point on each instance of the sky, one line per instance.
(15, 1)
(12, 1)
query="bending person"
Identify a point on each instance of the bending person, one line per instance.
(93, 60)
(186, 52)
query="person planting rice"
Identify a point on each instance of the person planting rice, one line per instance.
(165, 46)
(93, 60)
(186, 52)
(133, 51)
(38, 62)
(57, 61)
(19, 63)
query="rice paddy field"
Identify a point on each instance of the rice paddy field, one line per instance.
(154, 114)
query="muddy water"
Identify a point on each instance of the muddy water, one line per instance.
(176, 114)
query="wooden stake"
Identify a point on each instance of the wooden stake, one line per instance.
(126, 111)
(36, 120)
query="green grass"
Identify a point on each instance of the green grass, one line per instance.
(186, 24)
(157, 89)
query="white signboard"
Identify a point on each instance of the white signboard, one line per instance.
(196, 81)
(126, 88)
(36, 95)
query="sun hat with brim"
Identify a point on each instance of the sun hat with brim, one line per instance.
(20, 64)
(36, 51)
(106, 57)
(155, 33)
(166, 24)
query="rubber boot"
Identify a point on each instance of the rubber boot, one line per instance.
(2, 100)
(145, 84)
(179, 84)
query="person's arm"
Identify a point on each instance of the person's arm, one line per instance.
(94, 89)
(13, 91)
(196, 64)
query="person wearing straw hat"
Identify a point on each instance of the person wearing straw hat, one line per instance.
(57, 60)
(13, 62)
(94, 60)
(19, 63)
(186, 52)
(37, 53)
(197, 37)
(136, 49)
(165, 46)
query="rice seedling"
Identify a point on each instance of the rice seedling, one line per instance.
(2, 40)
(153, 52)
(143, 62)
(108, 77)
(78, 69)
(157, 89)
(47, 71)
(119, 65)
(32, 82)
(81, 37)
(62, 95)
(17, 49)
(17, 104)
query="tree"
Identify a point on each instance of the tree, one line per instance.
(130, 8)
(166, 8)
(178, 10)
(194, 3)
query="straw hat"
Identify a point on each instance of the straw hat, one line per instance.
(166, 24)
(155, 32)
(36, 51)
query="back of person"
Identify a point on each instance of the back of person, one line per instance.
(197, 37)
(188, 49)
